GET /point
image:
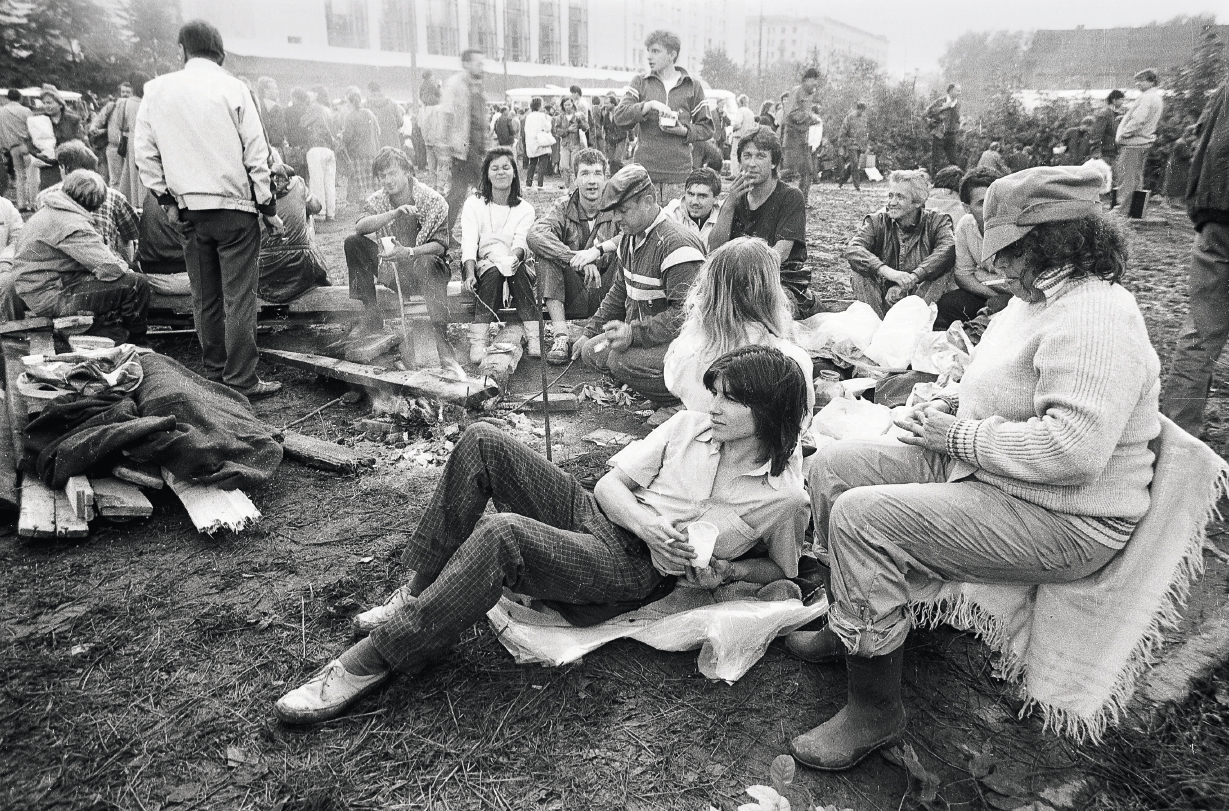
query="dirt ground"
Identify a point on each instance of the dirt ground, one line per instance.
(138, 668)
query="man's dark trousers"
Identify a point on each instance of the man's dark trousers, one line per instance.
(223, 256)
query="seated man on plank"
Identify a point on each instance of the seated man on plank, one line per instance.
(761, 205)
(415, 216)
(697, 210)
(642, 313)
(737, 466)
(575, 223)
(63, 267)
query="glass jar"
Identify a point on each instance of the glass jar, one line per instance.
(828, 388)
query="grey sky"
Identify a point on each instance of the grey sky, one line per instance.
(918, 32)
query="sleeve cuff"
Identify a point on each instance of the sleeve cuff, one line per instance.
(962, 441)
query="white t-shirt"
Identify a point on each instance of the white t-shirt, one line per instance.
(10, 228)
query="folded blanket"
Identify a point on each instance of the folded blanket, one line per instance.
(1077, 649)
(731, 628)
(88, 372)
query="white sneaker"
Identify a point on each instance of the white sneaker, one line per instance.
(366, 622)
(326, 695)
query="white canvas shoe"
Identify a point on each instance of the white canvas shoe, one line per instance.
(366, 622)
(326, 695)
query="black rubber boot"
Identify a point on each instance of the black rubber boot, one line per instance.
(873, 718)
(819, 647)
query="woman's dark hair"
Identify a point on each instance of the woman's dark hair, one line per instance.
(1095, 245)
(514, 193)
(976, 178)
(765, 140)
(564, 102)
(535, 104)
(948, 178)
(388, 157)
(773, 387)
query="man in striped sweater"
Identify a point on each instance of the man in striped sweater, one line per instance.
(641, 314)
(670, 112)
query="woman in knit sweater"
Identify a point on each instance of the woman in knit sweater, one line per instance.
(494, 232)
(1036, 473)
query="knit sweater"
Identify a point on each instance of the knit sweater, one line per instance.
(1059, 403)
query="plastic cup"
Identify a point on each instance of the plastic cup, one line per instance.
(388, 243)
(703, 538)
(504, 263)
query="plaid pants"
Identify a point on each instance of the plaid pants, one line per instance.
(550, 541)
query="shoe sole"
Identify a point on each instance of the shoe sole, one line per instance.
(846, 766)
(320, 717)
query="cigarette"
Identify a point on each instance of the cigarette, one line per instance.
(989, 282)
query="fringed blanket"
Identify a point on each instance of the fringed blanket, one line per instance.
(1077, 649)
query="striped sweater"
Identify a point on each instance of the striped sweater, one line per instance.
(1059, 403)
(667, 157)
(655, 272)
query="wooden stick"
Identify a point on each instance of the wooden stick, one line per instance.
(309, 416)
(545, 385)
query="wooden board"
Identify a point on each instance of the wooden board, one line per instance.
(25, 325)
(67, 523)
(80, 497)
(369, 347)
(116, 499)
(470, 392)
(327, 455)
(212, 509)
(37, 516)
(14, 350)
(559, 401)
(41, 343)
(10, 496)
(142, 474)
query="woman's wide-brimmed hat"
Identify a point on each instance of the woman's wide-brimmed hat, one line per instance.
(1022, 200)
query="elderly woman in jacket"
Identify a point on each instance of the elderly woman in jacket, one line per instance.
(1036, 472)
(904, 248)
(63, 267)
(65, 125)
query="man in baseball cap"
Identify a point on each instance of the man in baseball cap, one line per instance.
(643, 311)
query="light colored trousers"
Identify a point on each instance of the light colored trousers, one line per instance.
(21, 171)
(115, 165)
(893, 523)
(322, 174)
(1129, 172)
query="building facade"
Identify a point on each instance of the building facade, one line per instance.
(820, 41)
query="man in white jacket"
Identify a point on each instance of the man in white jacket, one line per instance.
(202, 152)
(1136, 134)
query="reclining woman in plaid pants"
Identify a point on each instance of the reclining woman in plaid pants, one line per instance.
(737, 466)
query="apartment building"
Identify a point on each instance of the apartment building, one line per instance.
(821, 41)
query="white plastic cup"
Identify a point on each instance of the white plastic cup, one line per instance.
(703, 539)
(504, 263)
(387, 244)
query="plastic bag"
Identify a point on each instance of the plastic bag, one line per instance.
(854, 327)
(904, 325)
(945, 354)
(1107, 173)
(844, 418)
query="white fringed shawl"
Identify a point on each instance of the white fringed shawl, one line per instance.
(1076, 650)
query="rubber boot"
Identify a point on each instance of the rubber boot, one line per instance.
(533, 339)
(477, 343)
(873, 718)
(819, 647)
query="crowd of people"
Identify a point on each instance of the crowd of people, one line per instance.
(688, 290)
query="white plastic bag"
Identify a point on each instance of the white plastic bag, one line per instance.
(943, 353)
(844, 418)
(1107, 173)
(902, 328)
(823, 331)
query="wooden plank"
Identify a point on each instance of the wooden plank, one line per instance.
(470, 391)
(142, 474)
(41, 343)
(67, 523)
(328, 455)
(14, 350)
(10, 496)
(212, 509)
(560, 401)
(25, 325)
(80, 496)
(37, 516)
(419, 348)
(369, 347)
(116, 499)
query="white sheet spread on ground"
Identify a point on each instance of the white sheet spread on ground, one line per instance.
(731, 636)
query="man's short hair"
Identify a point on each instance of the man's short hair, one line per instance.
(742, 99)
(948, 178)
(667, 39)
(918, 181)
(575, 90)
(952, 86)
(1114, 95)
(1147, 75)
(535, 103)
(591, 157)
(861, 106)
(200, 38)
(764, 139)
(389, 157)
(87, 188)
(126, 84)
(470, 53)
(14, 94)
(704, 176)
(73, 155)
(977, 178)
(137, 82)
(810, 73)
